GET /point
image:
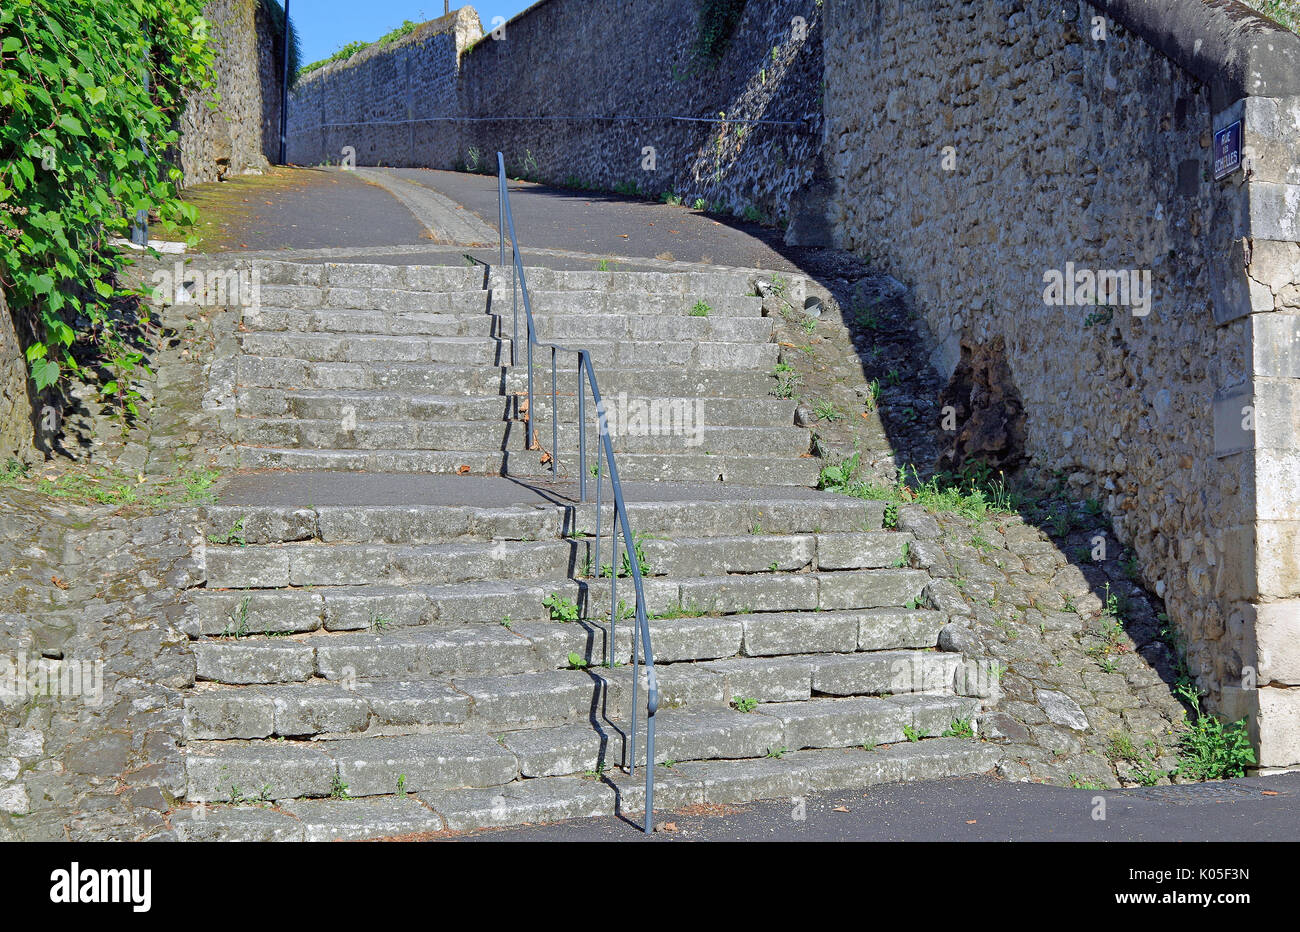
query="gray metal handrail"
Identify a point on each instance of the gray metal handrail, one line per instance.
(605, 446)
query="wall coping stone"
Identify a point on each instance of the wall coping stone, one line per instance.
(1234, 50)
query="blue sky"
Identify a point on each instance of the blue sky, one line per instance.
(327, 25)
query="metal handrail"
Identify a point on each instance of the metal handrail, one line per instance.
(605, 445)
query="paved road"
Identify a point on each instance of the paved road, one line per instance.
(975, 809)
(317, 208)
(608, 224)
(302, 208)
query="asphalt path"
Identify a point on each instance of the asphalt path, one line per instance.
(972, 809)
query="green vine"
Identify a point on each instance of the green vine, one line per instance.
(73, 112)
(716, 25)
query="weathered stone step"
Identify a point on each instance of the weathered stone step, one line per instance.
(454, 315)
(573, 302)
(486, 351)
(648, 467)
(392, 405)
(681, 433)
(460, 277)
(240, 614)
(221, 771)
(395, 524)
(695, 283)
(329, 347)
(226, 770)
(319, 564)
(685, 517)
(321, 707)
(635, 322)
(867, 721)
(347, 705)
(778, 643)
(558, 305)
(290, 373)
(549, 799)
(704, 734)
(639, 323)
(529, 645)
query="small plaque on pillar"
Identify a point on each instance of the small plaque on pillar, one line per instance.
(1227, 150)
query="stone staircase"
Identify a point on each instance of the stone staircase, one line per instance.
(412, 662)
(406, 368)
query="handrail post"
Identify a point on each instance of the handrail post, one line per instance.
(528, 440)
(555, 421)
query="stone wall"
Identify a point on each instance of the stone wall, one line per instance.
(15, 404)
(613, 79)
(575, 91)
(392, 104)
(1077, 136)
(231, 139)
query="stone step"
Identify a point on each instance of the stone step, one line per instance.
(290, 373)
(632, 321)
(489, 352)
(763, 513)
(319, 564)
(681, 432)
(694, 283)
(393, 405)
(550, 799)
(566, 301)
(772, 639)
(335, 707)
(635, 322)
(558, 305)
(767, 597)
(459, 277)
(647, 467)
(231, 770)
(328, 347)
(462, 277)
(228, 770)
(520, 642)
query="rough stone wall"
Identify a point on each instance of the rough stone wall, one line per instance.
(15, 405)
(269, 68)
(94, 599)
(228, 140)
(99, 595)
(574, 91)
(636, 60)
(372, 101)
(1029, 144)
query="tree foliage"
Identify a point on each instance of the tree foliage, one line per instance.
(83, 146)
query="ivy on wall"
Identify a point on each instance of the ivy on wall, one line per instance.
(74, 111)
(716, 24)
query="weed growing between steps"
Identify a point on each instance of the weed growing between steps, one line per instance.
(971, 493)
